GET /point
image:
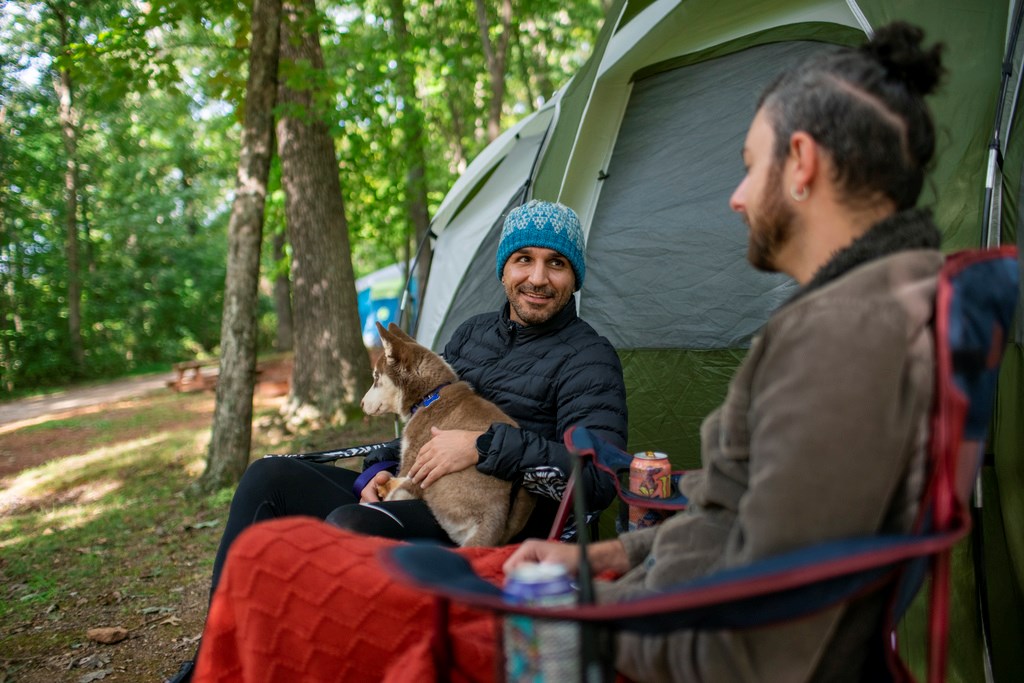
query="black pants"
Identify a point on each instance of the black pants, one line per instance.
(281, 487)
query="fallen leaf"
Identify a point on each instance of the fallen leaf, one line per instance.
(203, 525)
(107, 634)
(96, 660)
(156, 610)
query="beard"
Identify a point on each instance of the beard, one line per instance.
(772, 227)
(533, 315)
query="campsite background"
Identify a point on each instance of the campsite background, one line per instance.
(127, 245)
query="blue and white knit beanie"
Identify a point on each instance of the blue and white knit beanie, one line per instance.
(544, 224)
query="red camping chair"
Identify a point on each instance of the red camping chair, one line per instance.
(975, 304)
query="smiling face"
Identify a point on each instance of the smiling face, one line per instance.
(538, 283)
(760, 197)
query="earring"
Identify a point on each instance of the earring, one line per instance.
(801, 194)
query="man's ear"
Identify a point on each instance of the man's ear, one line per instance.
(803, 161)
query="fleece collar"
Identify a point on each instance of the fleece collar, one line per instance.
(902, 231)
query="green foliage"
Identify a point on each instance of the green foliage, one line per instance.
(158, 89)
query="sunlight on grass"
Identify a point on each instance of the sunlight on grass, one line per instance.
(34, 485)
(88, 506)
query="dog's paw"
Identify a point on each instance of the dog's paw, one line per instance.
(396, 488)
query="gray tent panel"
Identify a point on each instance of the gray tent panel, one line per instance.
(683, 130)
(479, 291)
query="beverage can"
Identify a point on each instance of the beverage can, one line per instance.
(540, 650)
(650, 475)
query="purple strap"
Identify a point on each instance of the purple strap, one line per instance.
(369, 473)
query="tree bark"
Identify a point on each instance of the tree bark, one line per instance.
(497, 58)
(231, 439)
(282, 298)
(412, 120)
(9, 316)
(69, 135)
(331, 370)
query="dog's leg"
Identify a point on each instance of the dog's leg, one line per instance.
(522, 508)
(460, 533)
(489, 527)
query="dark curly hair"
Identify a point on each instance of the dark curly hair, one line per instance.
(866, 107)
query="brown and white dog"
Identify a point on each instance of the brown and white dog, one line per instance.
(415, 383)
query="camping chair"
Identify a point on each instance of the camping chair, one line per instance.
(975, 303)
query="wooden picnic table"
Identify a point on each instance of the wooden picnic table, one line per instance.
(189, 375)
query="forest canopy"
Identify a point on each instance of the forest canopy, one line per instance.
(120, 128)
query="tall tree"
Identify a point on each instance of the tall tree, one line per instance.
(416, 156)
(331, 369)
(496, 54)
(8, 304)
(231, 439)
(283, 339)
(69, 134)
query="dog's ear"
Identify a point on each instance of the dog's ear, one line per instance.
(388, 340)
(398, 332)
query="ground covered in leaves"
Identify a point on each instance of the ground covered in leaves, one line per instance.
(99, 543)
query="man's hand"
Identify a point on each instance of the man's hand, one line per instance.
(604, 556)
(369, 492)
(534, 550)
(449, 450)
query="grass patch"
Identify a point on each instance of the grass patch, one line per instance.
(102, 535)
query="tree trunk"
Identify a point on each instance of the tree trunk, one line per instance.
(459, 160)
(282, 298)
(232, 418)
(331, 370)
(416, 192)
(69, 135)
(8, 256)
(497, 58)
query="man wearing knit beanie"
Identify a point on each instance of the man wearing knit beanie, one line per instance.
(540, 362)
(540, 260)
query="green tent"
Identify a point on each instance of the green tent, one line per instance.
(645, 143)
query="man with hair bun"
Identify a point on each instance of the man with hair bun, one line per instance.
(822, 435)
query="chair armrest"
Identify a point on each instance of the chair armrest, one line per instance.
(774, 589)
(334, 454)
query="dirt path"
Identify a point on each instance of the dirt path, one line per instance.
(22, 413)
(273, 381)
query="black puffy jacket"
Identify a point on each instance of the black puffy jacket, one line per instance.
(547, 377)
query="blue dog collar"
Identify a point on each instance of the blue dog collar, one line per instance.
(428, 399)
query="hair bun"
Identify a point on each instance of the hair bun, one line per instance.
(897, 47)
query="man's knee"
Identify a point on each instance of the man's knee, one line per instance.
(364, 519)
(267, 473)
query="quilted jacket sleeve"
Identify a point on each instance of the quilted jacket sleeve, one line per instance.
(591, 392)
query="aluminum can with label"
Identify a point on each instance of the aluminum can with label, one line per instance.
(650, 474)
(540, 650)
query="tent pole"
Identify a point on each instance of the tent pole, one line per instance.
(990, 237)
